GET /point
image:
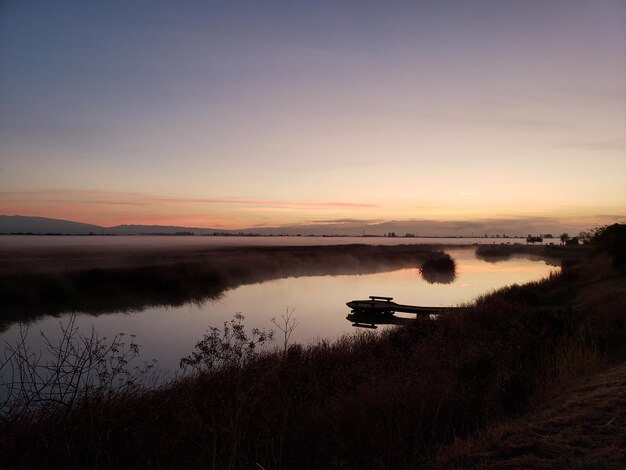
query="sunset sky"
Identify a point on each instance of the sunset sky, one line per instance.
(264, 113)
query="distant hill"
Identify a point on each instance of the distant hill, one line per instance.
(18, 224)
(161, 230)
(44, 225)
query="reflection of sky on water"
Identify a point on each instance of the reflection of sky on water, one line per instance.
(167, 334)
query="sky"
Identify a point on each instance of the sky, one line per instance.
(268, 113)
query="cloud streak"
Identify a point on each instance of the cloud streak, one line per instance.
(608, 144)
(123, 198)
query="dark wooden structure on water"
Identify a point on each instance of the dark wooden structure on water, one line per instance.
(379, 310)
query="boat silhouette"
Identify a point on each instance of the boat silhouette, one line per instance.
(379, 310)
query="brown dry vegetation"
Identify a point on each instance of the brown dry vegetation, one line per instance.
(411, 397)
(584, 426)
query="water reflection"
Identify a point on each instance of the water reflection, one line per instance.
(494, 253)
(129, 283)
(498, 253)
(372, 320)
(169, 333)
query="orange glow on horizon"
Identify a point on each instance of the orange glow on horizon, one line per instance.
(110, 208)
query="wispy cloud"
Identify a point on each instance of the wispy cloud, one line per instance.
(129, 198)
(347, 221)
(606, 144)
(265, 202)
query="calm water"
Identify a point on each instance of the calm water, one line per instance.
(167, 334)
(140, 241)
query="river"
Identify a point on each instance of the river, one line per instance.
(318, 302)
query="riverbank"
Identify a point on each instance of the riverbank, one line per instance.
(583, 426)
(392, 400)
(53, 280)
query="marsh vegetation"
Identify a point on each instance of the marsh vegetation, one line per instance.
(53, 281)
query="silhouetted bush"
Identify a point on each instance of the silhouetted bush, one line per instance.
(441, 270)
(611, 238)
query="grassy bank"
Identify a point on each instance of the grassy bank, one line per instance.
(393, 400)
(57, 280)
(582, 427)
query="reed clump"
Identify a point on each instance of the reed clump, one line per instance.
(440, 270)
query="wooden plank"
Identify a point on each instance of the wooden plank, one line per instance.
(378, 297)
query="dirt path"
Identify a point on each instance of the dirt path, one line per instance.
(586, 428)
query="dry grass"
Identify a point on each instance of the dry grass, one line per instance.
(582, 427)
